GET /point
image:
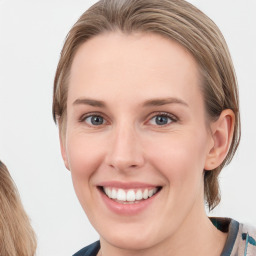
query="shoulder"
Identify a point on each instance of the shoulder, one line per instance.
(246, 240)
(90, 250)
(241, 239)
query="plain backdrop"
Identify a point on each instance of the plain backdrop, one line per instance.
(32, 33)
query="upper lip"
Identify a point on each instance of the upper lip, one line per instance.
(126, 185)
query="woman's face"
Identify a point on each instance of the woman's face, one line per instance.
(136, 130)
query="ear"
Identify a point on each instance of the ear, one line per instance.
(222, 133)
(63, 148)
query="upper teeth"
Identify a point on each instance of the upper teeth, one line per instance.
(129, 195)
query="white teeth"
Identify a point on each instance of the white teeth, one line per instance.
(121, 195)
(138, 195)
(145, 194)
(150, 193)
(108, 192)
(130, 195)
(114, 194)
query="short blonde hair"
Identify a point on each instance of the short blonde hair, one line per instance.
(17, 237)
(177, 20)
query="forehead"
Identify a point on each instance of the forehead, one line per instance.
(132, 64)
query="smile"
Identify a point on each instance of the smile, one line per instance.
(128, 199)
(131, 195)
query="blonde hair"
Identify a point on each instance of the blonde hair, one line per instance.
(179, 21)
(17, 237)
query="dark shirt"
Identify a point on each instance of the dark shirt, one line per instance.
(90, 250)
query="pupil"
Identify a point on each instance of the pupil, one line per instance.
(161, 120)
(97, 120)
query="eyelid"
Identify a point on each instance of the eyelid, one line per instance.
(154, 114)
(162, 113)
(84, 116)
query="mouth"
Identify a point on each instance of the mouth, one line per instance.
(131, 195)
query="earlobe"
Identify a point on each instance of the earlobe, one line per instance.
(222, 134)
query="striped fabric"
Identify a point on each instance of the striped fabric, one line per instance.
(241, 239)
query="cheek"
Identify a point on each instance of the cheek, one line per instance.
(179, 157)
(84, 158)
(83, 154)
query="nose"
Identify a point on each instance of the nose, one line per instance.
(125, 152)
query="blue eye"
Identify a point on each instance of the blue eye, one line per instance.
(94, 120)
(161, 120)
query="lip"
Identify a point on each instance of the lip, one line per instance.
(125, 185)
(126, 209)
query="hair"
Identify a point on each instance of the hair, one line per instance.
(17, 237)
(177, 20)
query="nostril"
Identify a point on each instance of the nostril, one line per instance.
(122, 164)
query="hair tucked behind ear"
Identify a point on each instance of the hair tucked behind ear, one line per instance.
(17, 237)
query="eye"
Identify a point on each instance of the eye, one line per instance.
(162, 119)
(94, 120)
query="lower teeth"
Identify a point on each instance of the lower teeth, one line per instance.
(127, 202)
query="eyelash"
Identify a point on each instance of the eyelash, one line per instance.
(83, 117)
(173, 118)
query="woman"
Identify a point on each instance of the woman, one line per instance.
(16, 234)
(145, 97)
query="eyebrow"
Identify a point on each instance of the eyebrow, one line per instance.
(165, 101)
(91, 102)
(148, 103)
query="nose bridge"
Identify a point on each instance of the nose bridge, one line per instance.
(125, 151)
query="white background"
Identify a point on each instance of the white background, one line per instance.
(32, 33)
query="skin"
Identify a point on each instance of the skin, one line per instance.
(125, 71)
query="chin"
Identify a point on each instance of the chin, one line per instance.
(131, 239)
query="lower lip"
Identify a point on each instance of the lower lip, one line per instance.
(127, 209)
